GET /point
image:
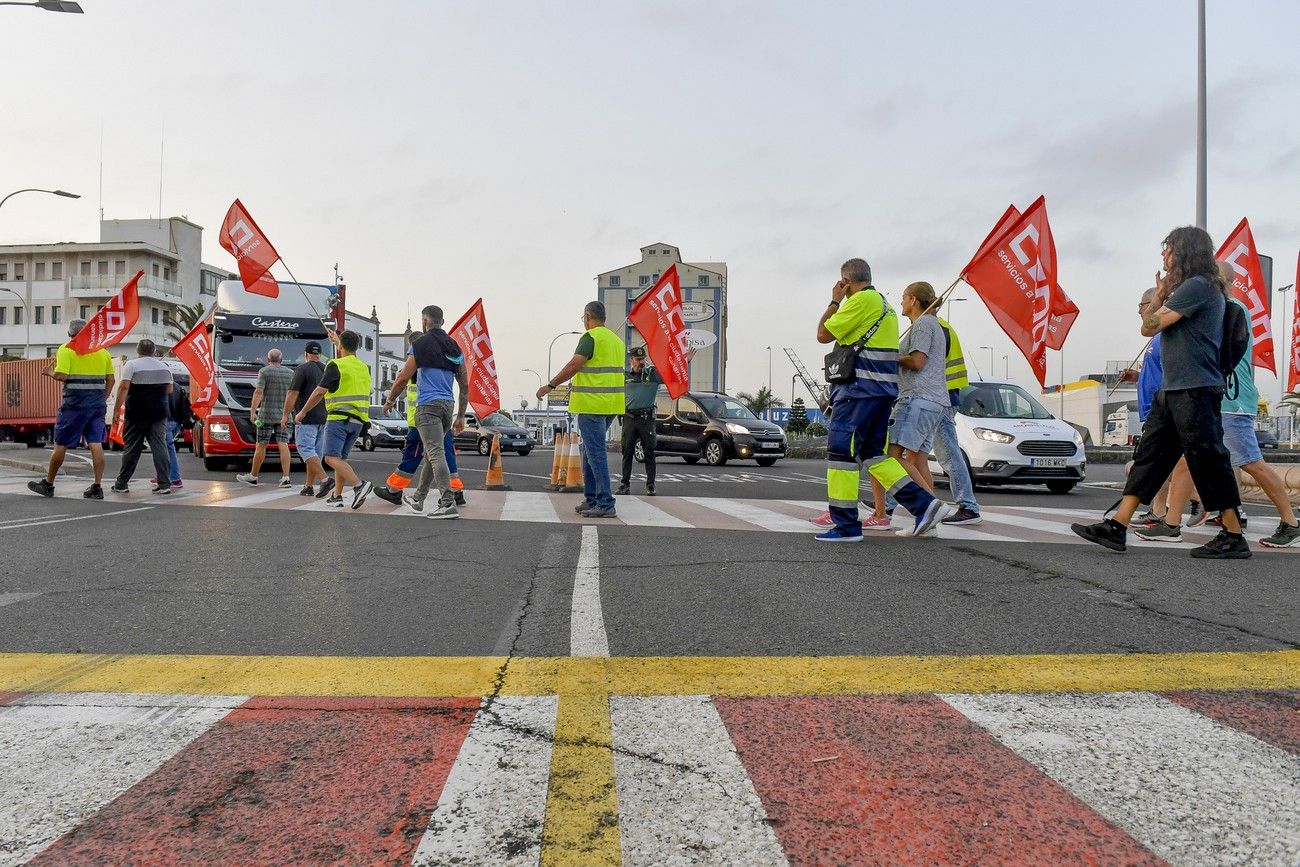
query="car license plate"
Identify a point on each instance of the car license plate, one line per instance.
(1047, 462)
(770, 445)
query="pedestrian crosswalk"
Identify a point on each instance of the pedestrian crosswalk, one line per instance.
(1181, 777)
(1000, 523)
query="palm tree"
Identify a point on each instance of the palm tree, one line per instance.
(761, 400)
(185, 318)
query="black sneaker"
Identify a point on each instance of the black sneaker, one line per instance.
(962, 518)
(388, 495)
(1217, 520)
(42, 487)
(1287, 536)
(1108, 534)
(1161, 532)
(583, 506)
(649, 490)
(325, 487)
(1196, 515)
(162, 489)
(623, 490)
(360, 492)
(94, 492)
(307, 491)
(119, 488)
(1225, 546)
(458, 497)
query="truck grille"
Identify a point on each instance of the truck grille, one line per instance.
(1047, 448)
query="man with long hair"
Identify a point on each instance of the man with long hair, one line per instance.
(1185, 417)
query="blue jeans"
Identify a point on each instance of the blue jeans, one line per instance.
(595, 459)
(948, 452)
(173, 428)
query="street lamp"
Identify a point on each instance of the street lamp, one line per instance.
(64, 193)
(1286, 340)
(49, 5)
(951, 317)
(1006, 367)
(992, 373)
(27, 320)
(551, 349)
(769, 370)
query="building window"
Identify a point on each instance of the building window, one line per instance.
(119, 267)
(167, 273)
(704, 280)
(40, 271)
(153, 315)
(4, 270)
(56, 271)
(83, 312)
(101, 268)
(155, 269)
(643, 280)
(18, 270)
(38, 315)
(85, 269)
(654, 278)
(370, 344)
(4, 314)
(615, 282)
(18, 316)
(652, 252)
(56, 314)
(667, 252)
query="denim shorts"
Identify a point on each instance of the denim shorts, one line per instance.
(339, 437)
(73, 423)
(1239, 437)
(310, 440)
(914, 423)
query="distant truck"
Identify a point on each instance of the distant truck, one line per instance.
(31, 402)
(1122, 428)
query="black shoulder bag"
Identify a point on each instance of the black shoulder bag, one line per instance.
(840, 364)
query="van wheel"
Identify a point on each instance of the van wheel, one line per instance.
(484, 446)
(766, 462)
(715, 453)
(1061, 487)
(216, 465)
(692, 460)
(367, 443)
(638, 452)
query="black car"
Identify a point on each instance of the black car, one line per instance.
(1266, 439)
(477, 435)
(715, 427)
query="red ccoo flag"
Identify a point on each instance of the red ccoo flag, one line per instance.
(658, 316)
(1015, 276)
(1293, 377)
(471, 333)
(113, 322)
(243, 239)
(1248, 288)
(195, 352)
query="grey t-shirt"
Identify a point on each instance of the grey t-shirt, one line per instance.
(274, 380)
(930, 382)
(1189, 349)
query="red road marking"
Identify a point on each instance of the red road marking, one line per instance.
(1273, 717)
(913, 782)
(286, 780)
(6, 697)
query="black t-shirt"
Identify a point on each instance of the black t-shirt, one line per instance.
(306, 378)
(436, 349)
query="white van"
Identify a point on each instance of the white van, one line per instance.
(1009, 438)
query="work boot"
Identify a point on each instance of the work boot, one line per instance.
(42, 487)
(94, 492)
(1225, 546)
(1108, 534)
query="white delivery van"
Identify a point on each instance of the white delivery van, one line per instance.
(1009, 438)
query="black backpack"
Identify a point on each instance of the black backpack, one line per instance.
(1234, 345)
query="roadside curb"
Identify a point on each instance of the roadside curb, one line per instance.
(22, 465)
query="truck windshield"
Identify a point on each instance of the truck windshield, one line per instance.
(239, 351)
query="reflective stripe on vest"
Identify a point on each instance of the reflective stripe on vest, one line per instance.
(878, 359)
(351, 400)
(598, 386)
(412, 395)
(955, 364)
(85, 383)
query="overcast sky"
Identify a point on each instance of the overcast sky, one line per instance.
(442, 151)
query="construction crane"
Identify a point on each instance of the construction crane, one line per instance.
(820, 394)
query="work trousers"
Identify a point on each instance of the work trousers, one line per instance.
(858, 433)
(1185, 422)
(433, 421)
(639, 427)
(134, 437)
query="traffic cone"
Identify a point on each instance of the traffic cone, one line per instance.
(496, 480)
(573, 470)
(558, 461)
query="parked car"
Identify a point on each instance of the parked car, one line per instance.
(477, 435)
(1008, 438)
(714, 427)
(387, 429)
(1266, 439)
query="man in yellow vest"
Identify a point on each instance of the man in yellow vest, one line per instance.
(345, 388)
(597, 398)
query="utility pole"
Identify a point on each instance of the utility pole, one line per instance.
(1201, 220)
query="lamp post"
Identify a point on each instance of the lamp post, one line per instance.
(63, 193)
(1200, 115)
(551, 349)
(27, 321)
(1006, 366)
(49, 5)
(769, 370)
(534, 373)
(26, 302)
(951, 312)
(991, 371)
(1286, 341)
(793, 380)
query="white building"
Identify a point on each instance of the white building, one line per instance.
(704, 303)
(42, 286)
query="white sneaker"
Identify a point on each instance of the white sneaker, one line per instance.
(445, 510)
(416, 503)
(286, 482)
(335, 502)
(247, 478)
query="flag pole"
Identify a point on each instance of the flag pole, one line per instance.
(302, 290)
(938, 302)
(1131, 365)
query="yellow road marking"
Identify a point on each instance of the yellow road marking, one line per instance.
(582, 801)
(653, 675)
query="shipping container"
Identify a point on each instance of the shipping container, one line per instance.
(31, 401)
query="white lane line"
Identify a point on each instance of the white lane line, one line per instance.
(586, 618)
(41, 522)
(14, 598)
(709, 814)
(529, 506)
(1054, 527)
(1192, 790)
(256, 499)
(67, 756)
(765, 518)
(493, 805)
(29, 518)
(639, 512)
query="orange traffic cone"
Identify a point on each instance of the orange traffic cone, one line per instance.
(558, 461)
(573, 470)
(496, 480)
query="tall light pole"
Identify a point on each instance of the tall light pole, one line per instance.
(27, 320)
(992, 373)
(1200, 115)
(1006, 366)
(1286, 341)
(769, 370)
(551, 349)
(27, 312)
(48, 5)
(64, 193)
(951, 317)
(534, 373)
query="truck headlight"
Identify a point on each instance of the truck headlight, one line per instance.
(219, 431)
(993, 436)
(737, 428)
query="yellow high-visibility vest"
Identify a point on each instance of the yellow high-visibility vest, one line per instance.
(955, 364)
(351, 400)
(598, 387)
